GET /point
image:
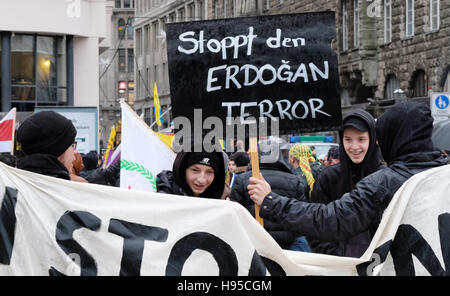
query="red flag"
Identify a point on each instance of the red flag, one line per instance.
(7, 131)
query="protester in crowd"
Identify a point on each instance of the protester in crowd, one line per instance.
(284, 182)
(47, 140)
(305, 166)
(77, 166)
(404, 137)
(227, 189)
(199, 174)
(237, 164)
(360, 156)
(332, 156)
(94, 174)
(314, 153)
(8, 159)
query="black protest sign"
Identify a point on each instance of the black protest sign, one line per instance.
(279, 66)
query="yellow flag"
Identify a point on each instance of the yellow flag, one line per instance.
(156, 104)
(112, 137)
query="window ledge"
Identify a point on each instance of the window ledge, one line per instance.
(432, 32)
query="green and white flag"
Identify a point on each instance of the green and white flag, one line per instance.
(143, 154)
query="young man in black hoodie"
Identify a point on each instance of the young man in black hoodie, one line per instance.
(199, 174)
(404, 136)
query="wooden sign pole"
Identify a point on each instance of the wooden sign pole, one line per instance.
(255, 172)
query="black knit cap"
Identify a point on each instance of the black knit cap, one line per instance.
(205, 158)
(46, 132)
(240, 158)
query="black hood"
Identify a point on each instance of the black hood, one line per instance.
(405, 128)
(215, 190)
(352, 173)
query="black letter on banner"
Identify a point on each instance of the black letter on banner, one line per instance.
(7, 224)
(222, 252)
(382, 252)
(409, 241)
(260, 263)
(133, 245)
(67, 224)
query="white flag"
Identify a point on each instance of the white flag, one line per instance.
(143, 154)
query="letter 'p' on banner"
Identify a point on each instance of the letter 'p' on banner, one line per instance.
(278, 67)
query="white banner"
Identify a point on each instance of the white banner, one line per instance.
(54, 226)
(143, 154)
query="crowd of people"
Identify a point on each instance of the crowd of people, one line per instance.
(333, 207)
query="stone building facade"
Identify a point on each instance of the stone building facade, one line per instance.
(388, 50)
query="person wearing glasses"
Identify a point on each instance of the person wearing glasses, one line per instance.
(47, 143)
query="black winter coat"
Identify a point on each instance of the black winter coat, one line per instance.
(341, 178)
(103, 176)
(404, 128)
(282, 181)
(44, 164)
(316, 170)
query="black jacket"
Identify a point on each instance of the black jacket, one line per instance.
(282, 181)
(44, 164)
(403, 126)
(103, 176)
(174, 182)
(341, 178)
(316, 170)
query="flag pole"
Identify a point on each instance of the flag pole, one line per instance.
(168, 109)
(13, 131)
(255, 172)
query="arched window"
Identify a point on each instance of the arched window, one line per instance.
(121, 28)
(419, 85)
(392, 84)
(447, 83)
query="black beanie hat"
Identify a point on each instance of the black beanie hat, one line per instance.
(205, 158)
(46, 132)
(240, 159)
(90, 160)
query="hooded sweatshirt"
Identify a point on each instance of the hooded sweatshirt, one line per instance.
(404, 134)
(341, 178)
(174, 182)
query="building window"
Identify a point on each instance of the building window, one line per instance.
(130, 30)
(122, 62)
(356, 23)
(392, 85)
(201, 10)
(38, 71)
(148, 116)
(447, 83)
(434, 15)
(215, 9)
(387, 21)
(130, 60)
(344, 26)
(191, 10)
(118, 4)
(121, 28)
(155, 29)
(139, 42)
(126, 3)
(409, 18)
(419, 84)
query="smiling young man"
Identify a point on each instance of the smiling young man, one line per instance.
(199, 174)
(404, 137)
